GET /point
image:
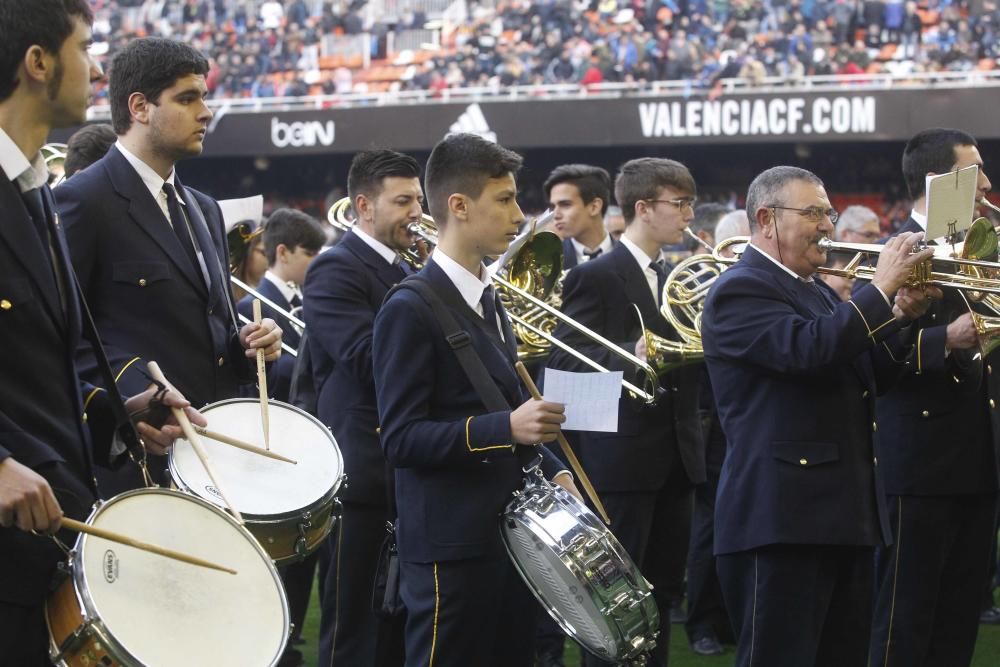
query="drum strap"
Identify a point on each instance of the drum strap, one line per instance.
(124, 427)
(461, 343)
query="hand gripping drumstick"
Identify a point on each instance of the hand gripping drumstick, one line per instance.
(239, 444)
(262, 381)
(195, 440)
(566, 450)
(112, 536)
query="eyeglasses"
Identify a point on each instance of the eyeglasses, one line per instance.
(813, 213)
(681, 202)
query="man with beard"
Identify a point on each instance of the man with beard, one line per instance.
(344, 290)
(49, 440)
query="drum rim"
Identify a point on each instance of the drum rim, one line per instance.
(89, 610)
(589, 521)
(281, 517)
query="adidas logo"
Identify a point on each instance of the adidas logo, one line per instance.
(473, 121)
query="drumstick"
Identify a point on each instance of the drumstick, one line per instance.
(233, 442)
(262, 381)
(195, 440)
(112, 536)
(566, 450)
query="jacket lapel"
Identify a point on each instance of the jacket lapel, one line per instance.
(146, 214)
(388, 274)
(637, 290)
(19, 234)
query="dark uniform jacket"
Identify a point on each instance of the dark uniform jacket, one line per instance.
(794, 382)
(149, 301)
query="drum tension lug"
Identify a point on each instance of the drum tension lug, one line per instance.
(73, 641)
(301, 544)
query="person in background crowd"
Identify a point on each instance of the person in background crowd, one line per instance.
(614, 223)
(88, 145)
(858, 224)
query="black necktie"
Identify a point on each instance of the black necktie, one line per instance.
(489, 305)
(179, 223)
(661, 278)
(296, 302)
(591, 254)
(33, 202)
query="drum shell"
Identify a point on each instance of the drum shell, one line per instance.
(287, 536)
(83, 644)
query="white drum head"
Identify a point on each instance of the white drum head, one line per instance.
(165, 612)
(258, 485)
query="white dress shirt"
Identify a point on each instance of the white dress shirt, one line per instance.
(604, 246)
(645, 264)
(469, 286)
(384, 251)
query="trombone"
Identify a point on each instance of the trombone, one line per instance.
(287, 314)
(524, 279)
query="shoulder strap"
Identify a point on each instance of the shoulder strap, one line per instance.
(460, 342)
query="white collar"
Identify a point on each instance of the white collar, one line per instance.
(287, 289)
(384, 251)
(640, 255)
(27, 175)
(780, 265)
(920, 219)
(605, 246)
(469, 286)
(148, 175)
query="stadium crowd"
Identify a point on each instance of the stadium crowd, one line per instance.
(274, 48)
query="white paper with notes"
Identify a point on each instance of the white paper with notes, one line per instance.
(591, 399)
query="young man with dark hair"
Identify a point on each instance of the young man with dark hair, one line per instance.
(456, 462)
(579, 195)
(291, 241)
(939, 431)
(344, 290)
(50, 438)
(151, 253)
(645, 472)
(88, 145)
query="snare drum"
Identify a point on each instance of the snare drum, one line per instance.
(130, 608)
(289, 507)
(580, 573)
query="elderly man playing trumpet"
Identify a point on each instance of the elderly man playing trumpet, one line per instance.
(800, 507)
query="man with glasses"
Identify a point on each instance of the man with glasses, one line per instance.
(800, 509)
(939, 459)
(858, 224)
(646, 471)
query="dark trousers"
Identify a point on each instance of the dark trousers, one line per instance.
(298, 580)
(653, 527)
(799, 605)
(350, 634)
(468, 612)
(930, 582)
(706, 610)
(24, 637)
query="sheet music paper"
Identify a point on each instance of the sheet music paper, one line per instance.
(591, 399)
(951, 198)
(237, 210)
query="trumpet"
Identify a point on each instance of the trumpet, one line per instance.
(425, 231)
